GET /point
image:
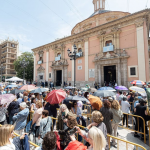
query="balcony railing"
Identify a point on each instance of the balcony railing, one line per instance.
(60, 63)
(108, 48)
(40, 62)
(80, 54)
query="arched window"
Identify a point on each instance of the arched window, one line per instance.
(108, 43)
(79, 50)
(59, 55)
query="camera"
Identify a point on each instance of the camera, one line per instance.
(72, 131)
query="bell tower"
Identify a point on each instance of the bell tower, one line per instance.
(99, 5)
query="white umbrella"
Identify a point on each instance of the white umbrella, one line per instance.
(138, 90)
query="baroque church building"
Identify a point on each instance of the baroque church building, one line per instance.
(111, 46)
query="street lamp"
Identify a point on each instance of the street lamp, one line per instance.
(24, 64)
(2, 68)
(73, 56)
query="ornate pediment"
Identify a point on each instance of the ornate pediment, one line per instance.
(110, 55)
(41, 69)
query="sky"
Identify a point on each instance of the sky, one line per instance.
(37, 22)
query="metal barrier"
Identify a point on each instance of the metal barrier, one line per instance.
(31, 143)
(109, 137)
(133, 116)
(88, 108)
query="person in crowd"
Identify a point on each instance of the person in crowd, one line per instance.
(94, 137)
(117, 116)
(49, 142)
(125, 106)
(33, 104)
(7, 91)
(20, 118)
(117, 96)
(75, 93)
(20, 98)
(3, 111)
(76, 110)
(25, 99)
(108, 115)
(12, 109)
(62, 118)
(120, 98)
(80, 105)
(2, 91)
(45, 124)
(53, 111)
(131, 99)
(135, 102)
(98, 122)
(71, 123)
(37, 116)
(6, 141)
(141, 110)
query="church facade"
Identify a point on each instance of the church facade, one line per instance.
(111, 46)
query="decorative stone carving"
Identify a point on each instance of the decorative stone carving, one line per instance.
(108, 55)
(139, 22)
(115, 29)
(111, 18)
(87, 26)
(41, 69)
(60, 63)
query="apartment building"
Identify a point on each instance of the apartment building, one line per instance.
(8, 54)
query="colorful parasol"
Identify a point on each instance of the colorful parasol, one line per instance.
(137, 82)
(56, 96)
(95, 102)
(123, 88)
(7, 98)
(28, 87)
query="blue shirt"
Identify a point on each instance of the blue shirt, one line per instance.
(21, 119)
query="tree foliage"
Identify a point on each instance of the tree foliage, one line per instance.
(28, 56)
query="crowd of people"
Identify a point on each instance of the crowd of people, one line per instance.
(55, 126)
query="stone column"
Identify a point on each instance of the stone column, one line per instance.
(34, 67)
(96, 72)
(86, 52)
(119, 72)
(47, 60)
(140, 50)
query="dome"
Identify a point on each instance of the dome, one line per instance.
(99, 12)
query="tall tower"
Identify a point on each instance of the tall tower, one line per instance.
(99, 5)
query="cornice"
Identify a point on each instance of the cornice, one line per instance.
(95, 30)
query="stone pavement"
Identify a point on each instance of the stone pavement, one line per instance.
(129, 136)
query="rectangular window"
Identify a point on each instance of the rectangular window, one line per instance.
(50, 75)
(132, 71)
(79, 61)
(79, 67)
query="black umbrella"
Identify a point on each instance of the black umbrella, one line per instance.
(16, 91)
(77, 98)
(104, 93)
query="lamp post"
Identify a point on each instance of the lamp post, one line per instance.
(2, 68)
(73, 56)
(24, 64)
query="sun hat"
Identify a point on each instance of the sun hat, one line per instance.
(23, 104)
